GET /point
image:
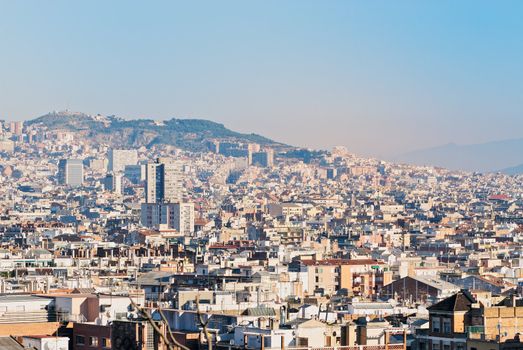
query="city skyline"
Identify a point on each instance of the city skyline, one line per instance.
(276, 175)
(381, 79)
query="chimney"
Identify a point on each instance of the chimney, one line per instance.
(274, 324)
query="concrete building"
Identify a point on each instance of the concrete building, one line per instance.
(45, 342)
(285, 209)
(177, 216)
(263, 159)
(163, 181)
(358, 277)
(71, 172)
(119, 158)
(16, 128)
(135, 173)
(113, 183)
(7, 146)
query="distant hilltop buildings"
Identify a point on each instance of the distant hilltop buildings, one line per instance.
(251, 151)
(118, 133)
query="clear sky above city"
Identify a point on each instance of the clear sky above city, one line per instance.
(381, 77)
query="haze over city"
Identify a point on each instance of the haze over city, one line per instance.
(382, 78)
(272, 175)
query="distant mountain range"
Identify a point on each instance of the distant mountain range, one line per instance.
(503, 156)
(189, 134)
(514, 170)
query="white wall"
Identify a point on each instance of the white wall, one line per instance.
(51, 343)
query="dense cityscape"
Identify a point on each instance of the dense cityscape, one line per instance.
(234, 244)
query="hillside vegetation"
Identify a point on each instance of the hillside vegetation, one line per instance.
(189, 134)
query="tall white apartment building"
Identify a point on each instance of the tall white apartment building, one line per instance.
(164, 181)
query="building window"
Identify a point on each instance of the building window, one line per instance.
(106, 343)
(436, 324)
(80, 340)
(93, 341)
(446, 325)
(435, 346)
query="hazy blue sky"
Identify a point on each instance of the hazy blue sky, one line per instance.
(380, 77)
